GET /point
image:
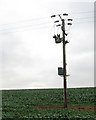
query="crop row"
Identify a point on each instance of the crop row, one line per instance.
(20, 103)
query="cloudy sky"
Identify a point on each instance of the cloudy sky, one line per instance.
(29, 55)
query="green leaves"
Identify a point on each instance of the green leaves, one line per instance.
(81, 96)
(21, 103)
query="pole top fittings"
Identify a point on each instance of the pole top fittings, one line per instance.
(53, 16)
(65, 14)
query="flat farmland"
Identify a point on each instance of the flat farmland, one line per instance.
(48, 104)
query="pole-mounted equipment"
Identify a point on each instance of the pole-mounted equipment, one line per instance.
(58, 39)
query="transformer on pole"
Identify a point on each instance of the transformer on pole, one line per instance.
(58, 39)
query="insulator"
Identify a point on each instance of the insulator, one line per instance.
(56, 21)
(65, 14)
(58, 35)
(66, 42)
(69, 24)
(58, 25)
(54, 36)
(53, 16)
(70, 19)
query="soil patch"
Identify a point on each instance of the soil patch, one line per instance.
(87, 108)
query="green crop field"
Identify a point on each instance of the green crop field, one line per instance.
(21, 104)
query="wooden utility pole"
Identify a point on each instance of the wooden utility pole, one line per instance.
(64, 64)
(58, 39)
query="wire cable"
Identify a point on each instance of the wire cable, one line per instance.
(26, 26)
(37, 25)
(22, 21)
(23, 28)
(47, 17)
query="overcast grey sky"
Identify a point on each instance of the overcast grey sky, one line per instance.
(29, 56)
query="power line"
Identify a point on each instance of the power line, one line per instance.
(30, 25)
(22, 21)
(86, 12)
(85, 17)
(45, 22)
(83, 22)
(25, 29)
(35, 19)
(36, 26)
(13, 30)
(26, 26)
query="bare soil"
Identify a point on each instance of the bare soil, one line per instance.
(87, 108)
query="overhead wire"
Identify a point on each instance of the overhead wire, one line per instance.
(33, 19)
(27, 26)
(50, 22)
(15, 31)
(83, 22)
(36, 25)
(83, 12)
(22, 21)
(23, 28)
